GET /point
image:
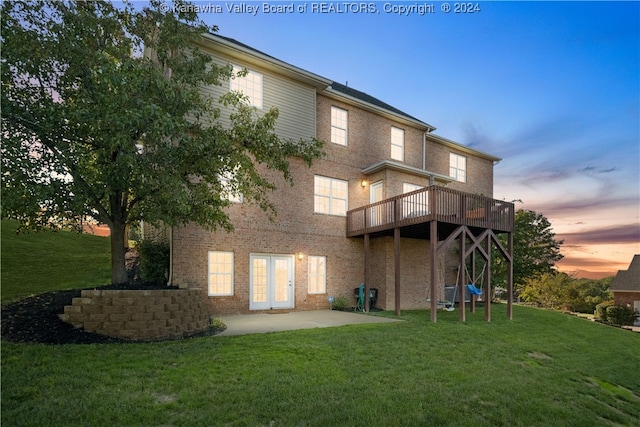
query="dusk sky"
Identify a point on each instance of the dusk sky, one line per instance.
(553, 88)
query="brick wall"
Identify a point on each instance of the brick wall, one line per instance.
(624, 298)
(297, 229)
(139, 314)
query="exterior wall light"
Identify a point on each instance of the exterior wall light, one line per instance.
(363, 183)
(300, 256)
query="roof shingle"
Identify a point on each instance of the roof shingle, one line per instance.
(628, 280)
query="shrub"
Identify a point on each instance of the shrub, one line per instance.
(621, 315)
(154, 261)
(340, 303)
(601, 310)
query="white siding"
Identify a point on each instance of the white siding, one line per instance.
(295, 102)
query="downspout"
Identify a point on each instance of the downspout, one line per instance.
(424, 150)
(170, 281)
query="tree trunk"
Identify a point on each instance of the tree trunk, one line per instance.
(118, 268)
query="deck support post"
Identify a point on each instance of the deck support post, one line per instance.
(367, 272)
(487, 281)
(396, 258)
(433, 228)
(472, 308)
(510, 278)
(461, 275)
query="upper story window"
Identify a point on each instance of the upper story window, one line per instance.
(458, 167)
(250, 85)
(228, 191)
(330, 196)
(397, 144)
(339, 119)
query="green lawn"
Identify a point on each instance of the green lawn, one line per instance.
(39, 262)
(542, 368)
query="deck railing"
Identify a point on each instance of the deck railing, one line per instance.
(432, 203)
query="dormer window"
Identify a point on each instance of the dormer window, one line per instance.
(397, 144)
(249, 85)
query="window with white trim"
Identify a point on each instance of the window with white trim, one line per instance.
(458, 167)
(317, 274)
(249, 85)
(220, 273)
(339, 120)
(416, 205)
(228, 192)
(330, 195)
(397, 144)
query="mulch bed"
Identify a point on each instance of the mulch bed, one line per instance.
(35, 320)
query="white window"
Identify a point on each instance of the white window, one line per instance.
(397, 144)
(228, 192)
(408, 188)
(330, 196)
(317, 269)
(339, 119)
(250, 85)
(220, 273)
(458, 167)
(415, 205)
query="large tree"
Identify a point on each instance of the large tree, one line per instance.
(103, 116)
(535, 250)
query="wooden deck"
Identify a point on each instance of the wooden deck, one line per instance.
(412, 213)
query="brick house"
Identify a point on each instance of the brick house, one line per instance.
(626, 286)
(367, 212)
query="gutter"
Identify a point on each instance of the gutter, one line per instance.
(424, 150)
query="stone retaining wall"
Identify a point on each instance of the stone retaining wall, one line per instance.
(139, 314)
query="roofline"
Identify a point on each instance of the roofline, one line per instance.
(236, 49)
(389, 164)
(259, 58)
(464, 148)
(390, 114)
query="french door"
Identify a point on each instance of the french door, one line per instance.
(376, 214)
(271, 279)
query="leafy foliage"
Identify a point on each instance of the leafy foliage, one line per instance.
(103, 116)
(548, 290)
(621, 315)
(601, 310)
(154, 261)
(560, 291)
(340, 303)
(535, 250)
(583, 295)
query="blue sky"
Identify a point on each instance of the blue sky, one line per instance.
(551, 87)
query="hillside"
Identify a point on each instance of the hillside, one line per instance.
(46, 261)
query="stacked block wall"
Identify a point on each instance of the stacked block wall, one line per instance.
(139, 314)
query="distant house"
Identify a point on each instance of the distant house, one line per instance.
(626, 285)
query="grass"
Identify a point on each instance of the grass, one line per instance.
(542, 368)
(40, 262)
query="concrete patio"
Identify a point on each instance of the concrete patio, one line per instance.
(265, 323)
